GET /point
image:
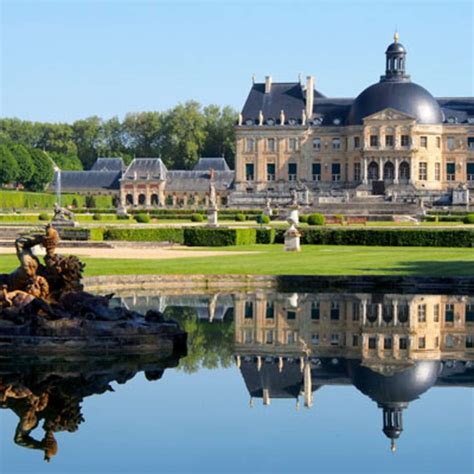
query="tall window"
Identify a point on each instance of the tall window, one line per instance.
(470, 171)
(249, 171)
(317, 143)
(334, 311)
(422, 342)
(291, 315)
(389, 141)
(470, 143)
(438, 142)
(451, 142)
(357, 172)
(334, 339)
(423, 171)
(248, 310)
(270, 310)
(405, 140)
(336, 171)
(356, 142)
(336, 143)
(374, 141)
(250, 145)
(449, 313)
(424, 142)
(316, 171)
(451, 171)
(422, 313)
(292, 171)
(270, 171)
(403, 343)
(292, 144)
(437, 171)
(387, 343)
(469, 313)
(271, 145)
(315, 311)
(436, 313)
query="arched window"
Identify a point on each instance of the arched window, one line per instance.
(154, 200)
(404, 170)
(373, 170)
(129, 199)
(141, 199)
(388, 170)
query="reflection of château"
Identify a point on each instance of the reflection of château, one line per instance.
(391, 347)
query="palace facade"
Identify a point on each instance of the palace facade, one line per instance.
(393, 139)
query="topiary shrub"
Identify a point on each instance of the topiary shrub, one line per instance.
(303, 218)
(197, 218)
(142, 218)
(43, 217)
(205, 237)
(469, 219)
(90, 202)
(97, 217)
(316, 219)
(265, 236)
(263, 219)
(240, 217)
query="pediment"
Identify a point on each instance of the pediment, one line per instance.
(389, 114)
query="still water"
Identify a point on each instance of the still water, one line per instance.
(272, 382)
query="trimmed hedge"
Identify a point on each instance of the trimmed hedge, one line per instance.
(265, 236)
(76, 233)
(204, 237)
(142, 218)
(316, 219)
(469, 219)
(389, 237)
(197, 217)
(163, 234)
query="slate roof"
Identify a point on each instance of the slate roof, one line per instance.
(286, 96)
(216, 163)
(291, 98)
(89, 180)
(184, 180)
(145, 168)
(108, 164)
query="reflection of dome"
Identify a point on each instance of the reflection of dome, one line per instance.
(395, 91)
(403, 386)
(392, 393)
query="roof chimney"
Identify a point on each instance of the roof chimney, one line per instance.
(309, 96)
(268, 84)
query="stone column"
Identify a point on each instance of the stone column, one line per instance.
(381, 163)
(395, 171)
(412, 170)
(364, 170)
(379, 314)
(147, 196)
(364, 312)
(395, 312)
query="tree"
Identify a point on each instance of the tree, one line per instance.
(43, 171)
(184, 134)
(142, 133)
(25, 163)
(220, 135)
(8, 166)
(87, 136)
(57, 137)
(67, 162)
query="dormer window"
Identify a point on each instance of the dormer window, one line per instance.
(270, 122)
(249, 122)
(337, 121)
(452, 119)
(317, 121)
(292, 121)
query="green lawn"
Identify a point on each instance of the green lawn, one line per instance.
(312, 260)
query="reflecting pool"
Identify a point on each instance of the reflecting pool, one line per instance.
(272, 382)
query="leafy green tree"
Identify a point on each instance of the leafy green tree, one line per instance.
(58, 137)
(8, 166)
(25, 163)
(184, 133)
(87, 135)
(66, 162)
(142, 133)
(22, 132)
(43, 171)
(220, 135)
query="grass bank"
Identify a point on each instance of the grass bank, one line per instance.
(312, 260)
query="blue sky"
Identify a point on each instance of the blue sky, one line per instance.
(65, 60)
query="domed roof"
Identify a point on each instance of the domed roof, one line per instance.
(396, 91)
(403, 386)
(404, 96)
(396, 48)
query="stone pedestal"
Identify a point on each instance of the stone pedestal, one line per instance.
(292, 239)
(121, 211)
(212, 218)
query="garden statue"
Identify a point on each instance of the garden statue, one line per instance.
(47, 299)
(292, 235)
(63, 217)
(212, 211)
(268, 211)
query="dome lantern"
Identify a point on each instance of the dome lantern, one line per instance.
(395, 62)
